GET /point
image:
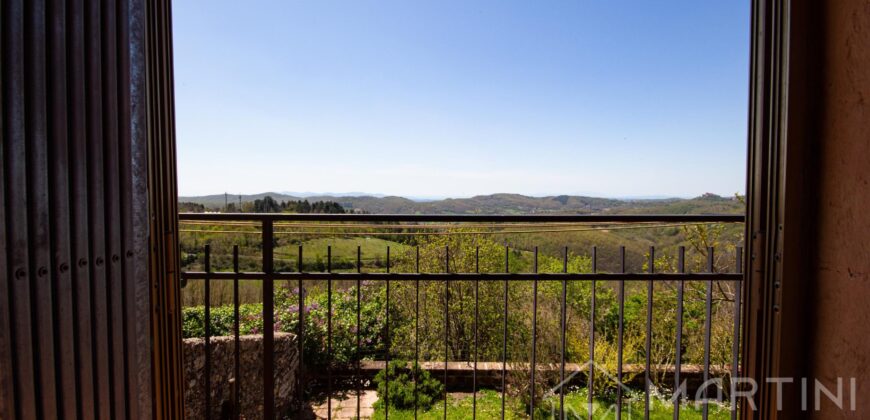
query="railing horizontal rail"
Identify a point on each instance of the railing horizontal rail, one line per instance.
(200, 275)
(499, 218)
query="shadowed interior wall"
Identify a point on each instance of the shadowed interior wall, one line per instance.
(74, 296)
(839, 345)
(816, 260)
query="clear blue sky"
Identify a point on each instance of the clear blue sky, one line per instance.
(435, 98)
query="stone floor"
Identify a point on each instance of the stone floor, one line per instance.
(344, 406)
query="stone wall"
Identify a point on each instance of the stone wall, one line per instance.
(251, 372)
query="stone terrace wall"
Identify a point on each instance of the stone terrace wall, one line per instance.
(251, 371)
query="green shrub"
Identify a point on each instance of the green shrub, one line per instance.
(402, 384)
(344, 328)
(222, 320)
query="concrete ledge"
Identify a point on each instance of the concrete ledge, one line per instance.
(460, 374)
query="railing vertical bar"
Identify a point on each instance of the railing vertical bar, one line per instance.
(708, 322)
(621, 329)
(387, 350)
(534, 365)
(207, 298)
(476, 338)
(237, 359)
(505, 334)
(735, 340)
(649, 318)
(358, 336)
(268, 239)
(446, 322)
(590, 385)
(329, 333)
(416, 326)
(563, 318)
(678, 359)
(300, 339)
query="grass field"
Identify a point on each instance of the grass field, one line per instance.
(314, 256)
(373, 252)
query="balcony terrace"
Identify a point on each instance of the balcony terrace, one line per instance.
(452, 295)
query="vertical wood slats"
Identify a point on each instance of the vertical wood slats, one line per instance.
(23, 378)
(7, 402)
(37, 205)
(60, 209)
(96, 208)
(67, 231)
(111, 170)
(80, 232)
(163, 212)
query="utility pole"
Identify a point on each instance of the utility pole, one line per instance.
(240, 203)
(226, 202)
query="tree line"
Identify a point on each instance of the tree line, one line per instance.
(269, 205)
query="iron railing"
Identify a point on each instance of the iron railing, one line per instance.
(268, 275)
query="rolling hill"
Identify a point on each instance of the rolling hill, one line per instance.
(500, 204)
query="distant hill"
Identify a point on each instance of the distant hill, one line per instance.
(499, 204)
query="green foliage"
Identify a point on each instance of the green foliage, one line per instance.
(576, 408)
(408, 386)
(372, 330)
(268, 205)
(187, 207)
(488, 407)
(222, 320)
(315, 314)
(460, 309)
